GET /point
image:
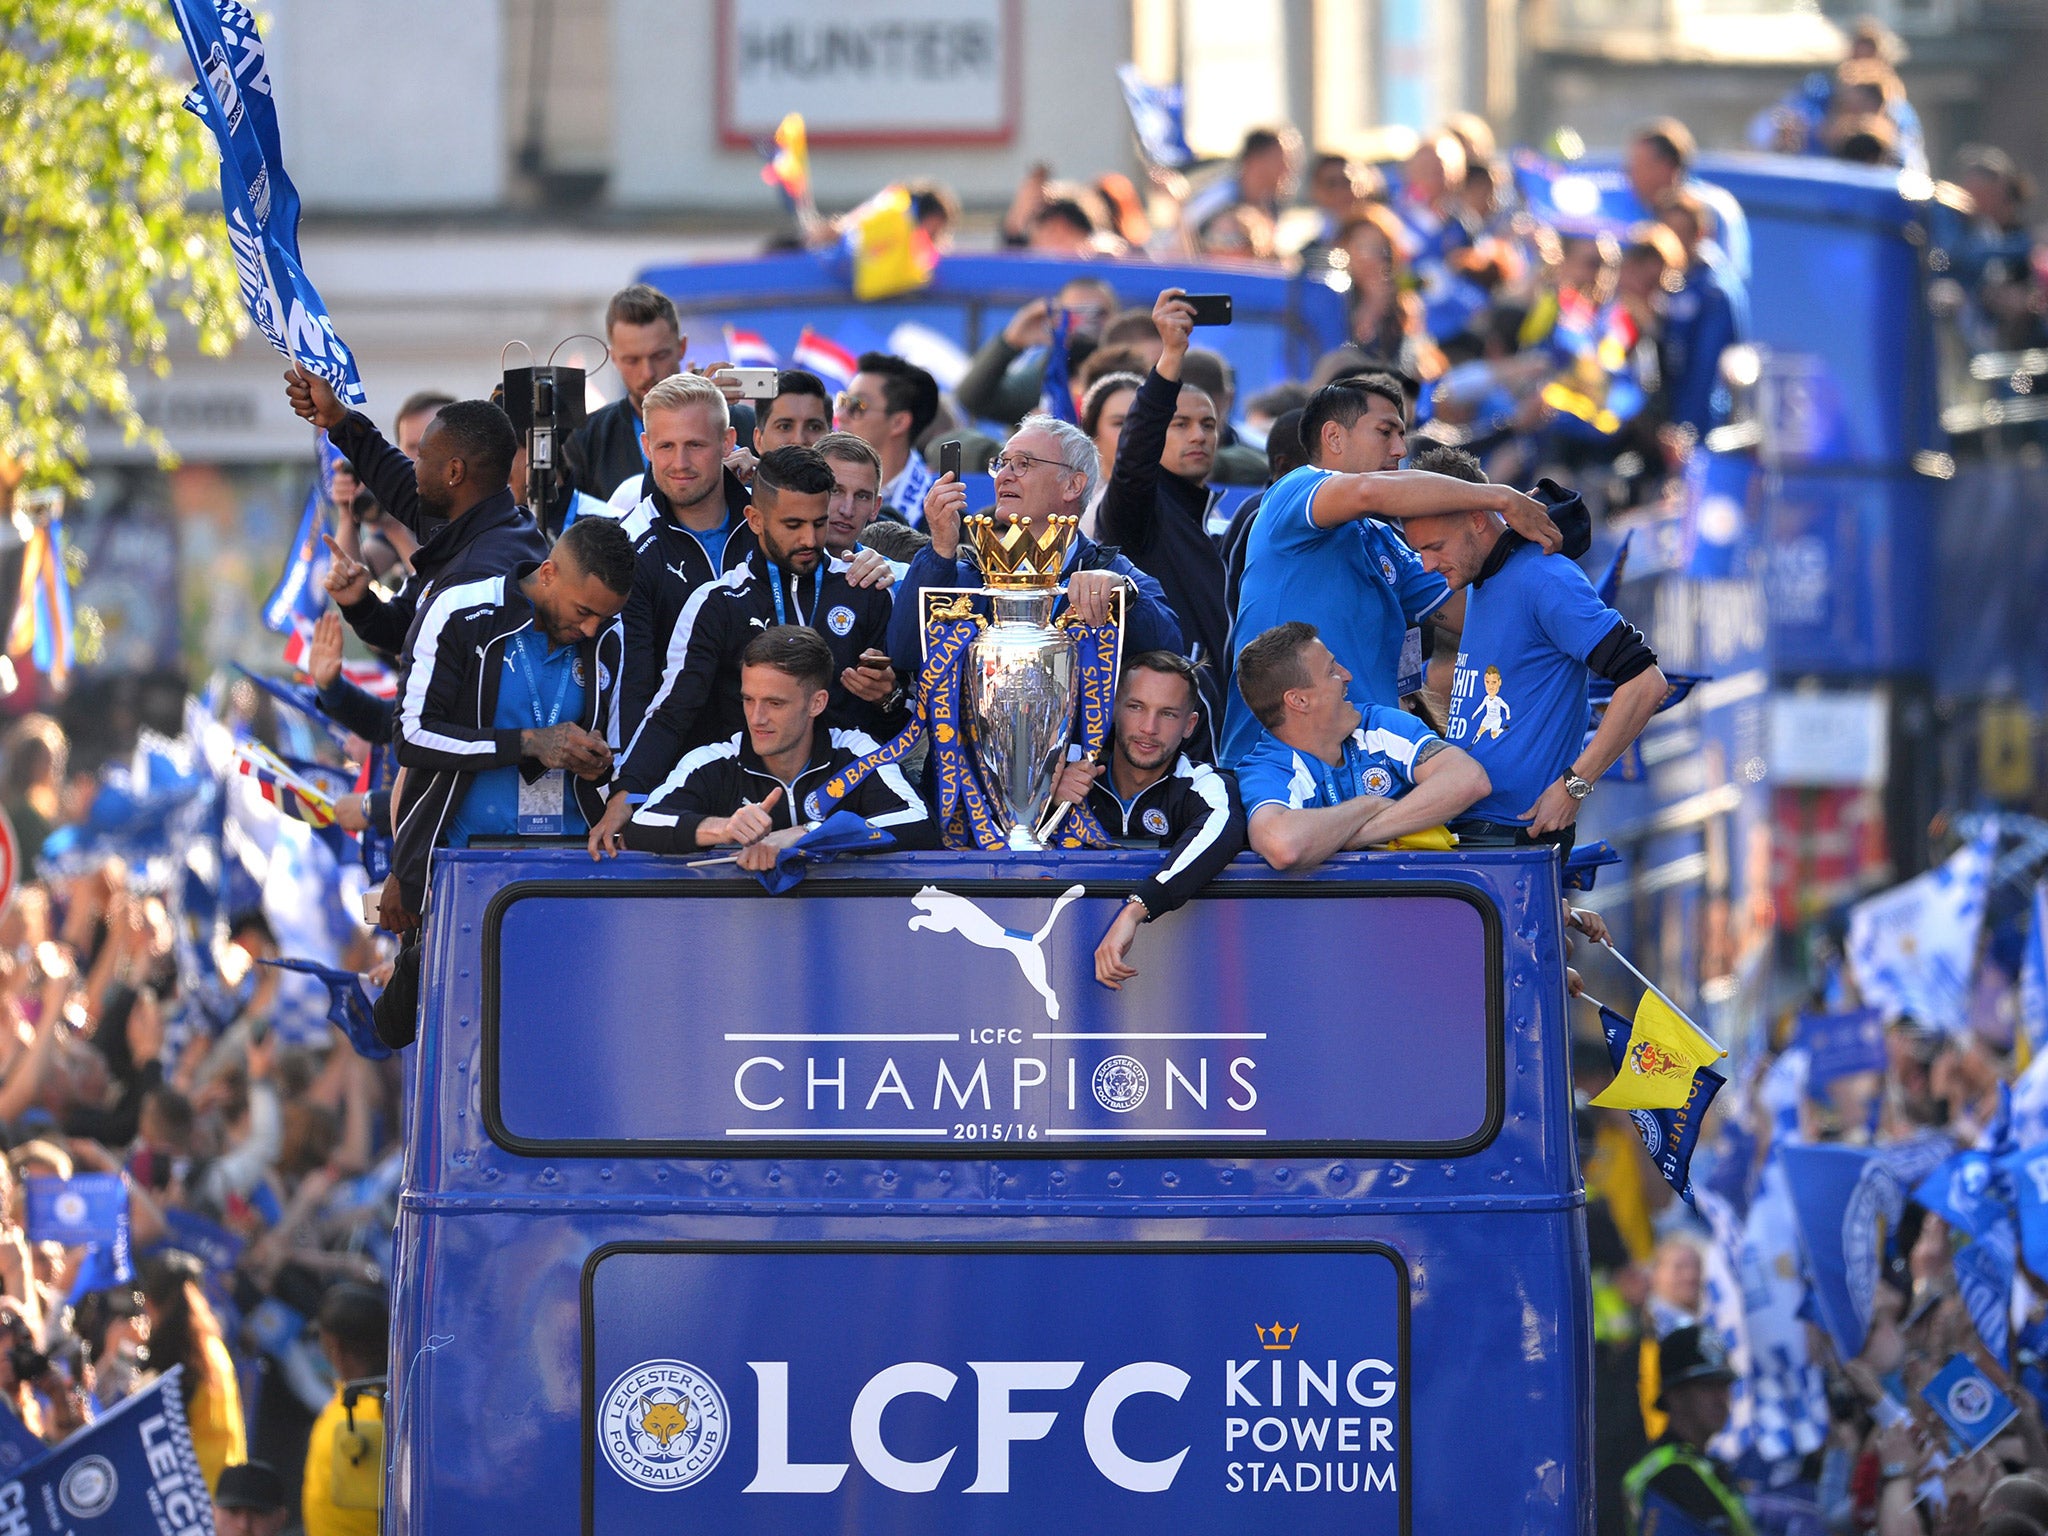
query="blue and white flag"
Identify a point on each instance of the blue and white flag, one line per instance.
(132, 1471)
(1846, 1201)
(87, 1208)
(2034, 974)
(1841, 1045)
(1913, 947)
(1157, 114)
(348, 1005)
(2028, 1171)
(1056, 398)
(1970, 1192)
(300, 596)
(233, 97)
(1969, 1403)
(1778, 1409)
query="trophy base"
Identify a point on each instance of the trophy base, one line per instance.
(1022, 840)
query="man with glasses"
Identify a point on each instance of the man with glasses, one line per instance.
(1048, 469)
(890, 405)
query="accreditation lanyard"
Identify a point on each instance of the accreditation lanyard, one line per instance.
(1331, 782)
(817, 596)
(542, 804)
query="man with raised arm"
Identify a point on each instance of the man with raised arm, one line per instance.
(1322, 775)
(1153, 793)
(1324, 549)
(1156, 509)
(751, 791)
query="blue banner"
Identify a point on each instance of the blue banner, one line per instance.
(1157, 117)
(1845, 1200)
(233, 98)
(1960, 1192)
(1840, 1045)
(1192, 1390)
(1056, 398)
(1020, 1042)
(348, 1005)
(1969, 1403)
(132, 1471)
(89, 1208)
(2028, 1171)
(300, 596)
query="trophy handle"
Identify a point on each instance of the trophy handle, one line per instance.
(1058, 813)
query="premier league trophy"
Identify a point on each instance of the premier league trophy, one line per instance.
(1021, 680)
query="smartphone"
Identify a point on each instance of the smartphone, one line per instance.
(874, 661)
(755, 383)
(949, 459)
(1210, 308)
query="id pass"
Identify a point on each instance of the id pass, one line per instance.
(1410, 670)
(541, 804)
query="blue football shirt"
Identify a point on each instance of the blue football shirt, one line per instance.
(541, 686)
(1359, 583)
(1519, 699)
(1379, 760)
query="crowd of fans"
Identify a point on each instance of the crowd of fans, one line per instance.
(1820, 1442)
(261, 1175)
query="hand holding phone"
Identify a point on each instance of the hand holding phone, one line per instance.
(949, 459)
(1210, 308)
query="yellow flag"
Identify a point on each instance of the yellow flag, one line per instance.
(891, 255)
(1665, 1048)
(1428, 840)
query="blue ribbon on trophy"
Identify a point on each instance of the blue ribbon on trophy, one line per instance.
(998, 695)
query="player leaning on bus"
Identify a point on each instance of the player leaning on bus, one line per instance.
(1322, 775)
(753, 792)
(1535, 635)
(1152, 790)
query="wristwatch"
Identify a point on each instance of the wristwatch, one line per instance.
(1575, 786)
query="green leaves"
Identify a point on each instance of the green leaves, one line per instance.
(109, 229)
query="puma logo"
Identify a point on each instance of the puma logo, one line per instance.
(943, 912)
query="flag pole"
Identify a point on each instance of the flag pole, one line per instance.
(1629, 966)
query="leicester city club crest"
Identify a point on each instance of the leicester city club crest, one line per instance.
(663, 1425)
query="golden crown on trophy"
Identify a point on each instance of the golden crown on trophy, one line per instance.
(1014, 560)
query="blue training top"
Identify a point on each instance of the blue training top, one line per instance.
(1519, 700)
(1359, 583)
(1379, 760)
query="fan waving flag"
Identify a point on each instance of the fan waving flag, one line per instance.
(826, 358)
(233, 98)
(747, 349)
(891, 254)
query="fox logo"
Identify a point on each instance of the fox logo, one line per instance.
(662, 1422)
(944, 912)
